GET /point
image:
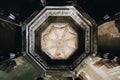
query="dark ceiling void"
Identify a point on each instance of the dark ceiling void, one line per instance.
(97, 9)
(22, 9)
(10, 39)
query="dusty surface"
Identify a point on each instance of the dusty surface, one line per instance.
(23, 71)
(108, 28)
(97, 69)
(109, 38)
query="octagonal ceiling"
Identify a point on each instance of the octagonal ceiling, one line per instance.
(59, 41)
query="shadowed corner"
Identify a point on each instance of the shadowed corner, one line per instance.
(22, 71)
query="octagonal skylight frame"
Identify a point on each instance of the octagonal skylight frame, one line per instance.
(49, 11)
(72, 12)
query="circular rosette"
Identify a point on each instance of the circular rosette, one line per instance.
(59, 41)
